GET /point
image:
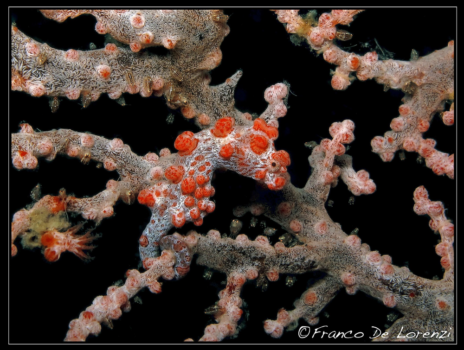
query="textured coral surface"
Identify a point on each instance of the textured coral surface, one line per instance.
(45, 296)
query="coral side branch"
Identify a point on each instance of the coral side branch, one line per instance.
(329, 161)
(106, 308)
(428, 83)
(355, 266)
(261, 258)
(307, 307)
(229, 312)
(438, 223)
(28, 145)
(261, 261)
(181, 75)
(358, 182)
(144, 28)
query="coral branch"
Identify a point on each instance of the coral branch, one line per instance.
(181, 75)
(307, 307)
(428, 82)
(104, 309)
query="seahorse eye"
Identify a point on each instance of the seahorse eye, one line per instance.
(274, 166)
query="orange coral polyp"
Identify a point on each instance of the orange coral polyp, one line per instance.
(226, 151)
(271, 131)
(188, 185)
(186, 143)
(258, 144)
(174, 173)
(278, 184)
(223, 127)
(146, 197)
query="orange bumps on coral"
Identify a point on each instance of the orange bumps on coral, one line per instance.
(284, 209)
(348, 278)
(178, 219)
(296, 226)
(387, 269)
(272, 275)
(310, 298)
(146, 197)
(331, 55)
(174, 173)
(188, 185)
(389, 300)
(445, 262)
(32, 49)
(423, 125)
(169, 43)
(111, 48)
(135, 47)
(270, 131)
(226, 151)
(201, 179)
(404, 110)
(143, 241)
(198, 193)
(100, 28)
(353, 241)
(321, 227)
(146, 38)
(87, 140)
(278, 184)
(340, 81)
(137, 21)
(108, 164)
(71, 55)
(442, 305)
(207, 191)
(275, 93)
(204, 119)
(107, 212)
(103, 71)
(260, 174)
(210, 207)
(195, 213)
(202, 204)
(258, 144)
(353, 61)
(36, 89)
(186, 143)
(223, 127)
(188, 112)
(73, 94)
(45, 147)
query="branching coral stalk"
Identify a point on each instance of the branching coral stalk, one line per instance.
(352, 265)
(192, 38)
(428, 82)
(178, 189)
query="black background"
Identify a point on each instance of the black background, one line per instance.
(45, 297)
